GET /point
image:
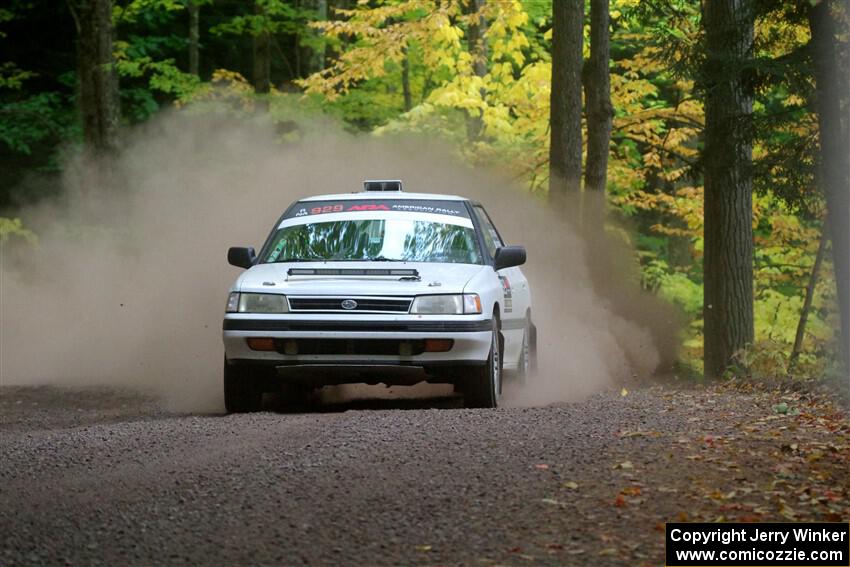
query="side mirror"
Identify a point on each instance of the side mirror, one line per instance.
(241, 257)
(508, 257)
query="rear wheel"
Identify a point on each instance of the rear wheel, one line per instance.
(242, 390)
(528, 355)
(485, 384)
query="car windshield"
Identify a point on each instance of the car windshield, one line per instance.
(387, 240)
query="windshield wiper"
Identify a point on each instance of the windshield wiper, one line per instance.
(293, 259)
(375, 259)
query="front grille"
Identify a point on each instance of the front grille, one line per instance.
(363, 304)
(392, 347)
(357, 326)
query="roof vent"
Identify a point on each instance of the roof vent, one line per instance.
(382, 185)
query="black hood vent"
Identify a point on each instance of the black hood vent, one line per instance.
(353, 272)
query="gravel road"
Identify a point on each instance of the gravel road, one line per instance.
(93, 478)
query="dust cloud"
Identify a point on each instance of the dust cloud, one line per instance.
(128, 283)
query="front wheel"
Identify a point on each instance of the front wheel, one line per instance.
(242, 391)
(485, 384)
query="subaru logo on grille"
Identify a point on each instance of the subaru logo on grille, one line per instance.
(349, 304)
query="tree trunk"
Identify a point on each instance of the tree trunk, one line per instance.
(834, 138)
(565, 98)
(262, 57)
(728, 267)
(313, 58)
(477, 46)
(405, 81)
(597, 94)
(194, 36)
(98, 79)
(807, 304)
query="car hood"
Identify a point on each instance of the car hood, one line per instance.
(434, 278)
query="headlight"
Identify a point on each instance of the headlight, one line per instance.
(468, 303)
(257, 303)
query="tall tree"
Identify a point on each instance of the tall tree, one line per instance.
(597, 94)
(311, 57)
(807, 304)
(477, 46)
(405, 81)
(262, 48)
(565, 98)
(832, 104)
(728, 260)
(194, 35)
(98, 79)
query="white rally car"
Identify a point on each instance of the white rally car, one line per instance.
(379, 286)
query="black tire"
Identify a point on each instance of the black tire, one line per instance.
(528, 357)
(242, 391)
(295, 397)
(484, 384)
(534, 362)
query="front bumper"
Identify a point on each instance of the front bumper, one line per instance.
(471, 339)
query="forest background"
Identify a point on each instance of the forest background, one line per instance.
(476, 74)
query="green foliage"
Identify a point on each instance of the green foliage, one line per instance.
(270, 16)
(12, 230)
(162, 76)
(24, 121)
(675, 287)
(147, 11)
(12, 77)
(145, 56)
(31, 121)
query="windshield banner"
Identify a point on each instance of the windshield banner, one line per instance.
(312, 208)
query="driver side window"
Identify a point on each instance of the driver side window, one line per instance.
(491, 236)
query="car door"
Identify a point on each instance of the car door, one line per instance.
(516, 297)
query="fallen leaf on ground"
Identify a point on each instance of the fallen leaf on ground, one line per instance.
(638, 433)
